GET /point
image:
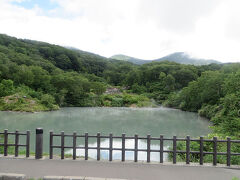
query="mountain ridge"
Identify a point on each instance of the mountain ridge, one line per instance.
(178, 57)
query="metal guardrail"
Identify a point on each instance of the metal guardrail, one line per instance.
(16, 145)
(85, 139)
(149, 139)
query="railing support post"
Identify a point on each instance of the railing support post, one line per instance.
(148, 148)
(50, 145)
(161, 148)
(188, 150)
(62, 145)
(123, 147)
(110, 146)
(98, 146)
(86, 146)
(39, 143)
(5, 142)
(214, 151)
(28, 144)
(136, 148)
(228, 151)
(174, 149)
(16, 143)
(74, 145)
(201, 150)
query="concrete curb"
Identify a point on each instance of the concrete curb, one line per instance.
(7, 176)
(75, 178)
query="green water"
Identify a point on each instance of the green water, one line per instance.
(141, 121)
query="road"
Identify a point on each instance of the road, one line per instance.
(124, 170)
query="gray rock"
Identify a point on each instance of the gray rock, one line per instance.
(9, 176)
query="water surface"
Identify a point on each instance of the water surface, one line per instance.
(141, 121)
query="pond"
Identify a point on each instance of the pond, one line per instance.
(131, 121)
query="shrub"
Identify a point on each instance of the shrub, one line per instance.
(48, 101)
(117, 102)
(6, 88)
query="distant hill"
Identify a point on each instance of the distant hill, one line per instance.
(129, 59)
(178, 57)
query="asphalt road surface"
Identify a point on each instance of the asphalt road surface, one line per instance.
(125, 170)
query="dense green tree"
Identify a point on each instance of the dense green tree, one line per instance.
(6, 88)
(41, 79)
(227, 120)
(138, 89)
(232, 83)
(210, 85)
(98, 87)
(63, 62)
(72, 77)
(184, 76)
(48, 101)
(23, 75)
(169, 82)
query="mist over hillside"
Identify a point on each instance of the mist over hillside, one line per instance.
(178, 57)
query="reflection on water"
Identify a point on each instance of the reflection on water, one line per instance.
(141, 121)
(117, 155)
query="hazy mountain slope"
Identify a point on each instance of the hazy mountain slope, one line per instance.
(129, 59)
(178, 57)
(49, 56)
(183, 58)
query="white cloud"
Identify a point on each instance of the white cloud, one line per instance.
(176, 15)
(145, 29)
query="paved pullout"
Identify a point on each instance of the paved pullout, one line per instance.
(126, 170)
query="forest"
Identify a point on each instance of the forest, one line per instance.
(50, 76)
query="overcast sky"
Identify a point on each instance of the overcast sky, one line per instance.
(146, 29)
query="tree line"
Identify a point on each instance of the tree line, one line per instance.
(70, 77)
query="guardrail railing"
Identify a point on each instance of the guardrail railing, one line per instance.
(148, 150)
(84, 139)
(6, 143)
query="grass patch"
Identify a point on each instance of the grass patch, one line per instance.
(22, 103)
